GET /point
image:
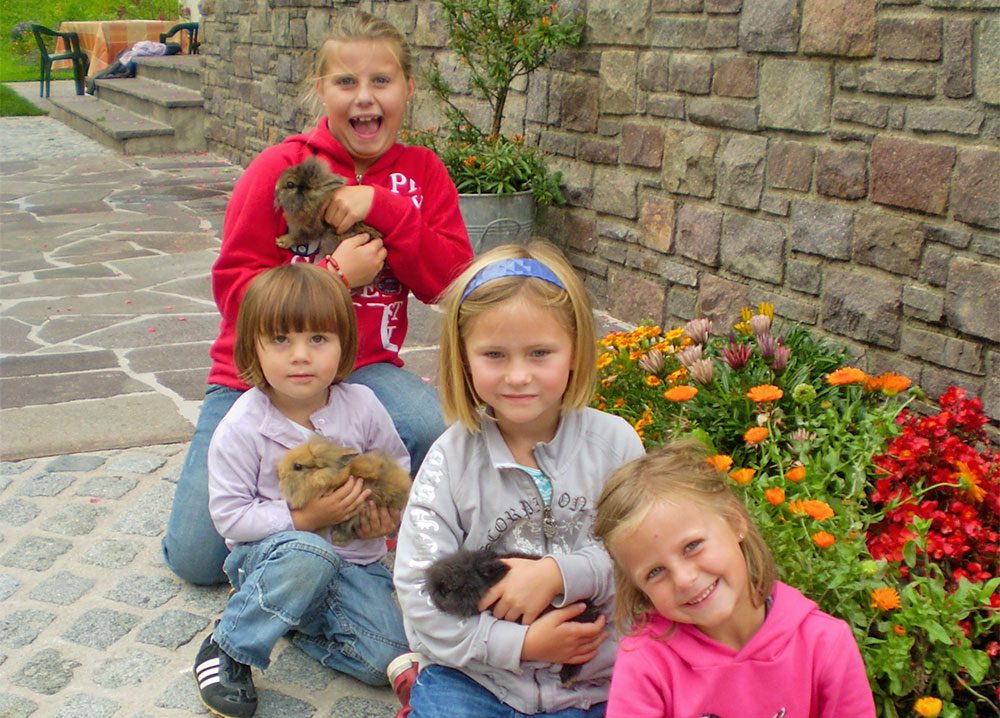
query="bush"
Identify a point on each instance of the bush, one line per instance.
(814, 448)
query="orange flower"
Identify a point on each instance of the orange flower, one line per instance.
(619, 402)
(721, 461)
(894, 383)
(874, 383)
(684, 392)
(764, 392)
(823, 539)
(755, 434)
(899, 629)
(928, 707)
(846, 375)
(885, 598)
(796, 474)
(775, 496)
(742, 476)
(819, 510)
(652, 380)
(969, 482)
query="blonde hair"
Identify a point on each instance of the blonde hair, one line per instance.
(676, 470)
(352, 26)
(459, 401)
(298, 297)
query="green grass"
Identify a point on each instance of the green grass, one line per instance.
(13, 105)
(17, 65)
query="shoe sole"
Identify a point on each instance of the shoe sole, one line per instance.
(213, 711)
(400, 664)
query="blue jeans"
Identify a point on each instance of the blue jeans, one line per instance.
(442, 692)
(192, 548)
(340, 613)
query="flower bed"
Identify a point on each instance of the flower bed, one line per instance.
(884, 518)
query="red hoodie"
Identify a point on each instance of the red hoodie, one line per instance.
(415, 207)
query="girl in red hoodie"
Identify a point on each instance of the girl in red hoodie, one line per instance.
(363, 80)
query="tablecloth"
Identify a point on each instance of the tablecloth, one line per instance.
(102, 40)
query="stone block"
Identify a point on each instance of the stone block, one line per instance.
(677, 5)
(861, 112)
(822, 229)
(888, 242)
(578, 104)
(944, 119)
(795, 95)
(689, 162)
(778, 206)
(838, 27)
(46, 672)
(923, 303)
(656, 223)
(617, 21)
(976, 187)
(597, 152)
(111, 553)
(721, 33)
(789, 165)
(957, 58)
(987, 62)
(735, 77)
(803, 275)
(943, 350)
(753, 248)
(660, 105)
(681, 304)
(100, 627)
(720, 299)
(615, 192)
(951, 235)
(62, 588)
(642, 145)
(677, 33)
(769, 26)
(723, 6)
(699, 234)
(722, 113)
(991, 390)
(618, 82)
(842, 173)
(633, 296)
(934, 265)
(902, 82)
(987, 245)
(907, 38)
(861, 305)
(690, 73)
(741, 171)
(654, 71)
(971, 297)
(912, 175)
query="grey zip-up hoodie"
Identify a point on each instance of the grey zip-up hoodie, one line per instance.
(469, 493)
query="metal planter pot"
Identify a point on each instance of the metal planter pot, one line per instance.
(493, 219)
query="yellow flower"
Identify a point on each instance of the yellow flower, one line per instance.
(684, 392)
(742, 476)
(721, 461)
(743, 328)
(796, 474)
(755, 434)
(846, 375)
(764, 392)
(746, 313)
(605, 359)
(818, 510)
(886, 599)
(823, 539)
(653, 380)
(767, 309)
(928, 707)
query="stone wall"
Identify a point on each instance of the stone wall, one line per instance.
(838, 158)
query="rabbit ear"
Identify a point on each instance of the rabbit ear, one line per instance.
(346, 458)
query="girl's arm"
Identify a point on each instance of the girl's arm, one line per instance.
(239, 512)
(842, 686)
(249, 230)
(429, 246)
(431, 528)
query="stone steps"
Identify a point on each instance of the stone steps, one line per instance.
(160, 111)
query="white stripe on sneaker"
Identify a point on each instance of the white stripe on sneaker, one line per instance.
(207, 672)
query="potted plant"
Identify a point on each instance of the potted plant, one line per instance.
(496, 42)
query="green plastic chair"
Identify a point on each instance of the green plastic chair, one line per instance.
(71, 41)
(191, 28)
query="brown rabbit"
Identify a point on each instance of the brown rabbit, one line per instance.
(320, 466)
(301, 193)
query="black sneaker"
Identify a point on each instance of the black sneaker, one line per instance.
(224, 684)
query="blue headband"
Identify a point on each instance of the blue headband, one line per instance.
(511, 268)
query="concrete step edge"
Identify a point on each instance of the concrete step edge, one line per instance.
(156, 92)
(115, 122)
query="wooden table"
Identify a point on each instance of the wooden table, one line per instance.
(102, 40)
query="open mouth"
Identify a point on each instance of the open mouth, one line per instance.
(367, 126)
(703, 595)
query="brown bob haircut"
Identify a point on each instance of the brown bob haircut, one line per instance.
(297, 297)
(459, 401)
(677, 470)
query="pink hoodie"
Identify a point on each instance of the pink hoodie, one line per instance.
(801, 663)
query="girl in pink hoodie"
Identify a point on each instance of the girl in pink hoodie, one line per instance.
(713, 633)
